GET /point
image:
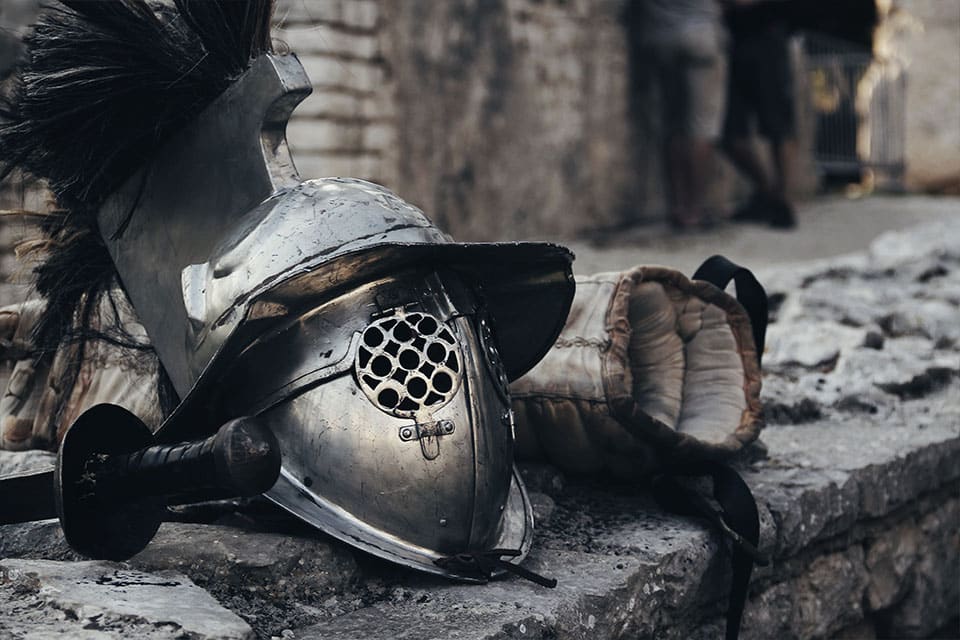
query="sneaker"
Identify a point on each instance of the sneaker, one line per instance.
(766, 209)
(782, 215)
(753, 210)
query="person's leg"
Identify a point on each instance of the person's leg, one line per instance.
(785, 159)
(689, 169)
(677, 145)
(762, 84)
(775, 116)
(707, 93)
(742, 152)
(737, 143)
(694, 115)
(677, 153)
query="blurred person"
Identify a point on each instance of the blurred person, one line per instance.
(760, 92)
(681, 43)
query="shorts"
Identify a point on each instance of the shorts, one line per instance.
(690, 78)
(760, 88)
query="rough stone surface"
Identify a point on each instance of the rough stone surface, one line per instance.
(42, 539)
(42, 598)
(12, 462)
(259, 574)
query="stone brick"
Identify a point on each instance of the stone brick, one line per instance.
(356, 14)
(933, 587)
(328, 39)
(318, 165)
(329, 71)
(378, 137)
(890, 560)
(269, 565)
(318, 136)
(100, 599)
(335, 104)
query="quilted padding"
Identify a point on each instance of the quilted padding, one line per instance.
(651, 369)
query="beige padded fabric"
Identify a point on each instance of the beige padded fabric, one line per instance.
(29, 416)
(651, 369)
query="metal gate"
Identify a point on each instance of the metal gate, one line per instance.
(859, 112)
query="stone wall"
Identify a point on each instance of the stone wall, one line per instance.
(930, 47)
(347, 126)
(513, 118)
(512, 115)
(503, 119)
(500, 119)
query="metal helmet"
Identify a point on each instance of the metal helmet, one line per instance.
(378, 350)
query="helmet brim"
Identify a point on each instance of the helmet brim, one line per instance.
(526, 287)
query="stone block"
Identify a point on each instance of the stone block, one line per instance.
(343, 105)
(268, 565)
(41, 539)
(367, 166)
(358, 15)
(932, 591)
(829, 596)
(378, 136)
(318, 136)
(329, 40)
(890, 560)
(108, 600)
(14, 462)
(355, 75)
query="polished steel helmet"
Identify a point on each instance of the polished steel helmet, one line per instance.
(377, 350)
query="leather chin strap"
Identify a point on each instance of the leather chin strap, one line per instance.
(481, 565)
(735, 514)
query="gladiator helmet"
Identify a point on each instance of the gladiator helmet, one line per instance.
(377, 350)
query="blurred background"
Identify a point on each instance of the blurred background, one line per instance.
(531, 118)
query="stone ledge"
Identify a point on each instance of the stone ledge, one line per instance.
(108, 600)
(858, 496)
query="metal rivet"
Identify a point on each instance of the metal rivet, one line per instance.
(406, 433)
(443, 522)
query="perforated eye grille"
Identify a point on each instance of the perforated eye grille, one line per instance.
(408, 362)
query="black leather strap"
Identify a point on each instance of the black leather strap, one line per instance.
(735, 515)
(481, 565)
(736, 518)
(719, 271)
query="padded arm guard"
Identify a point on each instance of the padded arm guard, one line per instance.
(652, 369)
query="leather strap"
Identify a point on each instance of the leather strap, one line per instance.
(481, 566)
(719, 271)
(736, 515)
(736, 518)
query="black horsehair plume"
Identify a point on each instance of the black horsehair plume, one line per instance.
(102, 85)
